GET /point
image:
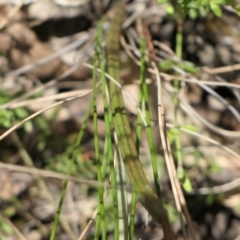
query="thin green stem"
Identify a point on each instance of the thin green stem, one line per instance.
(101, 212)
(71, 164)
(144, 88)
(179, 42)
(107, 119)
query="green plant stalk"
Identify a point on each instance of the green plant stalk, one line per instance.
(71, 164)
(178, 50)
(121, 125)
(107, 120)
(101, 213)
(144, 89)
(132, 215)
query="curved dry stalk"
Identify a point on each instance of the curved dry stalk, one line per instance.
(220, 189)
(190, 111)
(177, 190)
(49, 174)
(58, 96)
(224, 69)
(227, 149)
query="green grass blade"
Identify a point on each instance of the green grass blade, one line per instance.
(71, 165)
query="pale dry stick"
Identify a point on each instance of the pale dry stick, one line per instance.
(190, 111)
(179, 197)
(235, 92)
(71, 3)
(58, 96)
(88, 49)
(77, 43)
(165, 48)
(197, 81)
(227, 149)
(13, 2)
(224, 188)
(164, 146)
(134, 15)
(234, 184)
(42, 87)
(90, 221)
(11, 14)
(238, 237)
(17, 232)
(48, 174)
(41, 111)
(88, 224)
(187, 108)
(225, 69)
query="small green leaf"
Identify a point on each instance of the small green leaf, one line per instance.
(187, 185)
(172, 134)
(21, 113)
(9, 211)
(203, 10)
(193, 13)
(181, 174)
(6, 118)
(6, 228)
(193, 4)
(228, 2)
(4, 97)
(238, 9)
(190, 128)
(188, 67)
(170, 9)
(216, 9)
(166, 65)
